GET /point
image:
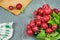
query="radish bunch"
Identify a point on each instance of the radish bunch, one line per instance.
(42, 16)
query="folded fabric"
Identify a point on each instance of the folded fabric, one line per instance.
(6, 31)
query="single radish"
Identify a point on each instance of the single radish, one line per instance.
(10, 7)
(38, 22)
(38, 17)
(45, 6)
(32, 23)
(56, 10)
(42, 20)
(35, 29)
(35, 19)
(44, 25)
(29, 32)
(47, 9)
(46, 18)
(49, 30)
(19, 6)
(41, 11)
(54, 27)
(28, 27)
(35, 13)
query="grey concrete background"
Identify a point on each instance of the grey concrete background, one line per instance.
(22, 20)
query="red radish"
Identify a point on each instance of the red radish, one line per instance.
(56, 10)
(54, 27)
(42, 20)
(47, 11)
(10, 7)
(49, 30)
(28, 27)
(38, 22)
(32, 23)
(41, 11)
(35, 29)
(44, 25)
(29, 32)
(35, 19)
(19, 6)
(38, 17)
(35, 13)
(45, 6)
(46, 18)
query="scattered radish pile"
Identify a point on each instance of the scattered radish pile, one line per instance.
(41, 25)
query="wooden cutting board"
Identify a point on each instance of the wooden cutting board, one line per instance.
(6, 3)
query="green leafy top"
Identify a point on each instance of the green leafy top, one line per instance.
(54, 19)
(41, 35)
